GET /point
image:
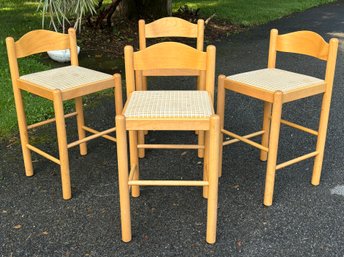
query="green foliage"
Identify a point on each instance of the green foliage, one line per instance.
(61, 12)
(248, 12)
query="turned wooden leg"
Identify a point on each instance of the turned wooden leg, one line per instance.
(321, 141)
(134, 160)
(81, 123)
(213, 178)
(273, 148)
(62, 143)
(206, 164)
(122, 156)
(221, 94)
(24, 138)
(266, 128)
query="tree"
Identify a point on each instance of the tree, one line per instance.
(146, 8)
(133, 9)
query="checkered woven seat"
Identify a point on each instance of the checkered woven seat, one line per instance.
(66, 77)
(169, 104)
(276, 79)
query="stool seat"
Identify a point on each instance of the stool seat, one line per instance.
(65, 78)
(276, 80)
(169, 104)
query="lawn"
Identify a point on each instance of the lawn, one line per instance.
(18, 17)
(249, 12)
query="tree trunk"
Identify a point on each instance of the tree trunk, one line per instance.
(145, 8)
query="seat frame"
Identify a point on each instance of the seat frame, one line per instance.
(129, 178)
(301, 42)
(38, 41)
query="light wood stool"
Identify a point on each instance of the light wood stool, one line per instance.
(168, 110)
(57, 85)
(276, 87)
(171, 27)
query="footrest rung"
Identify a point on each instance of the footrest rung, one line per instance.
(91, 130)
(44, 154)
(245, 140)
(299, 127)
(169, 146)
(97, 134)
(235, 140)
(167, 183)
(296, 160)
(41, 123)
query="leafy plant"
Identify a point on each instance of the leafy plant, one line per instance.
(62, 12)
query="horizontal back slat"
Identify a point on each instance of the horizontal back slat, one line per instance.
(169, 55)
(38, 41)
(171, 27)
(303, 42)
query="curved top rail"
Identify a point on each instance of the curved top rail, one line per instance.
(170, 55)
(38, 41)
(303, 42)
(171, 27)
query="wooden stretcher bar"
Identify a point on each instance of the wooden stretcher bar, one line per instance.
(255, 134)
(296, 160)
(91, 130)
(167, 183)
(169, 146)
(41, 123)
(245, 140)
(44, 154)
(99, 134)
(299, 127)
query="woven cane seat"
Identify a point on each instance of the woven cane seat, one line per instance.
(276, 79)
(169, 104)
(66, 77)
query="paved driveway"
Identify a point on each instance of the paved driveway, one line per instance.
(303, 221)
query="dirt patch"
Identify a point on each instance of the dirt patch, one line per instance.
(110, 41)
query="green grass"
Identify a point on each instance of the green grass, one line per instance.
(248, 12)
(16, 18)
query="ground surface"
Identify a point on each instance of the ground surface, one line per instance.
(303, 221)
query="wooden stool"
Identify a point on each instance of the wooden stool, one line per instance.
(171, 27)
(276, 87)
(57, 85)
(168, 110)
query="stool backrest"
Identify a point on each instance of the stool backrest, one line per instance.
(307, 43)
(171, 27)
(169, 59)
(38, 41)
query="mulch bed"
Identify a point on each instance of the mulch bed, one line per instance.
(111, 40)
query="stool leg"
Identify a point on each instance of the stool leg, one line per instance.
(201, 134)
(266, 128)
(201, 143)
(144, 88)
(213, 178)
(62, 143)
(80, 122)
(273, 148)
(122, 157)
(24, 138)
(206, 164)
(221, 94)
(134, 160)
(324, 116)
(141, 140)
